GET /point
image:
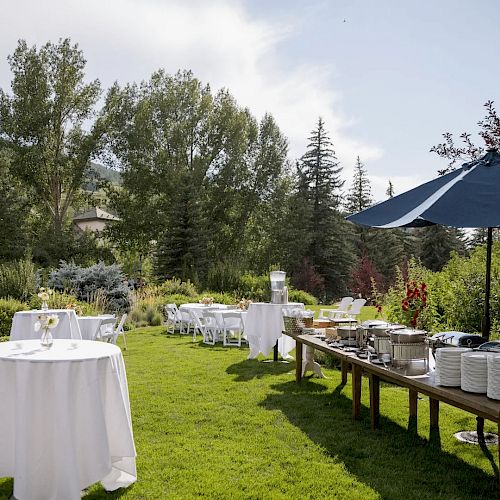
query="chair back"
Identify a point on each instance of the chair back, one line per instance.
(119, 329)
(345, 302)
(232, 320)
(172, 312)
(356, 306)
(210, 318)
(196, 319)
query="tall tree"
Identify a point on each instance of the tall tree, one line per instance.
(359, 196)
(330, 252)
(390, 190)
(41, 123)
(436, 244)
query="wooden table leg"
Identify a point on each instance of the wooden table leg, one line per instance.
(344, 365)
(434, 412)
(413, 400)
(356, 391)
(374, 400)
(298, 361)
(480, 429)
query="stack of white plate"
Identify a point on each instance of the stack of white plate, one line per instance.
(494, 376)
(475, 372)
(448, 362)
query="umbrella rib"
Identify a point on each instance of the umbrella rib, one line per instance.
(426, 204)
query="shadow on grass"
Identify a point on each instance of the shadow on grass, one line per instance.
(394, 462)
(251, 368)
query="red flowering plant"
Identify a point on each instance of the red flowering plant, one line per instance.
(409, 300)
(414, 302)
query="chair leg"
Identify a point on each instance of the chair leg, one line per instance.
(124, 340)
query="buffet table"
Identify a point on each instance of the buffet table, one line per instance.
(477, 404)
(65, 417)
(23, 325)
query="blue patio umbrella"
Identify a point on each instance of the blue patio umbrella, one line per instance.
(468, 197)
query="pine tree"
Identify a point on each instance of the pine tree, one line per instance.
(390, 190)
(436, 244)
(330, 251)
(182, 248)
(359, 196)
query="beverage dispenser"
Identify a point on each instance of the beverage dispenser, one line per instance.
(279, 292)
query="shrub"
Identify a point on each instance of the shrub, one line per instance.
(175, 286)
(8, 307)
(178, 299)
(18, 280)
(86, 282)
(220, 298)
(254, 287)
(428, 318)
(223, 276)
(302, 296)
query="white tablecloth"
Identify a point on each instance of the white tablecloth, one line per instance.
(23, 325)
(65, 418)
(264, 327)
(90, 326)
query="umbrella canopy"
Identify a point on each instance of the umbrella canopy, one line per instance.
(466, 197)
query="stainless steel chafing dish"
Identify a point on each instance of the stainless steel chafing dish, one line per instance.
(347, 335)
(410, 350)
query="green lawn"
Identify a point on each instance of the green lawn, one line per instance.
(210, 423)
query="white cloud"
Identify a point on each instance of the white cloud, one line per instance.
(126, 40)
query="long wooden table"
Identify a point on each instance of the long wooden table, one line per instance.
(476, 404)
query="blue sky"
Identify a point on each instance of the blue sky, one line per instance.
(388, 81)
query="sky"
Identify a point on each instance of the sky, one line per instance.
(387, 76)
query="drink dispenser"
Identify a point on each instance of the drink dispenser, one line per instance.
(279, 292)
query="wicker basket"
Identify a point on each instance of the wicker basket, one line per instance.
(293, 325)
(308, 322)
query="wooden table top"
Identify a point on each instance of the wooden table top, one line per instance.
(478, 404)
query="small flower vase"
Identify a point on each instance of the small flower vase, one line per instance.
(45, 306)
(46, 339)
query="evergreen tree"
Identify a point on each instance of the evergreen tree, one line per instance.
(359, 196)
(330, 250)
(390, 190)
(182, 248)
(436, 244)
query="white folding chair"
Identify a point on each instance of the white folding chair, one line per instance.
(198, 323)
(352, 312)
(120, 331)
(186, 322)
(174, 318)
(232, 332)
(211, 327)
(106, 327)
(341, 310)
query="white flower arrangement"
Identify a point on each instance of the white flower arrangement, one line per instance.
(45, 293)
(46, 322)
(206, 301)
(243, 304)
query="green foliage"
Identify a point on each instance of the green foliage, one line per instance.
(301, 296)
(18, 280)
(176, 286)
(61, 300)
(219, 298)
(8, 307)
(436, 244)
(461, 290)
(178, 299)
(359, 196)
(254, 287)
(42, 124)
(223, 275)
(394, 303)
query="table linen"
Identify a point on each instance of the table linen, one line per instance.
(91, 326)
(23, 325)
(264, 327)
(65, 417)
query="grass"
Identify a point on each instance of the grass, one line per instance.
(210, 423)
(367, 312)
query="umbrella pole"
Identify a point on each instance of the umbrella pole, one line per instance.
(487, 288)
